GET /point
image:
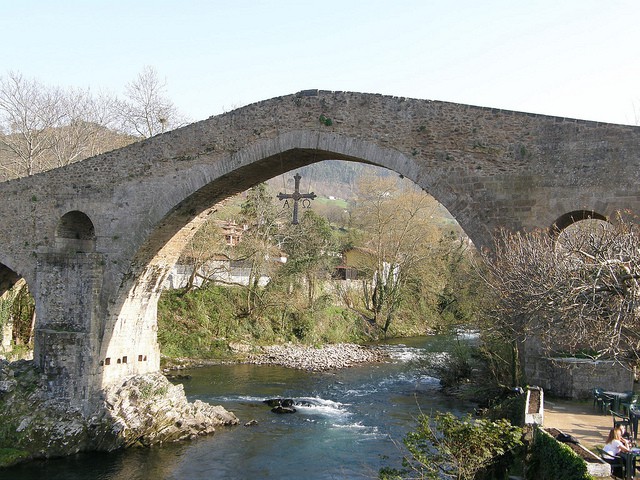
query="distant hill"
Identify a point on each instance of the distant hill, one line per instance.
(65, 145)
(336, 179)
(330, 178)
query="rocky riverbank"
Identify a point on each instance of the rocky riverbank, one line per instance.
(327, 357)
(302, 357)
(143, 410)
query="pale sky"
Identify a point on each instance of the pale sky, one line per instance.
(571, 58)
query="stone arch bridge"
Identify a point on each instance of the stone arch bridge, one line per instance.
(94, 240)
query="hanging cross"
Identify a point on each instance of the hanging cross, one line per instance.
(296, 196)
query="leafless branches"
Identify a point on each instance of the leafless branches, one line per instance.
(44, 127)
(400, 243)
(146, 109)
(28, 114)
(576, 293)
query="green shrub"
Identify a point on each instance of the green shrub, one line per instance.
(454, 367)
(551, 460)
(445, 446)
(195, 324)
(301, 325)
(200, 323)
(336, 324)
(512, 408)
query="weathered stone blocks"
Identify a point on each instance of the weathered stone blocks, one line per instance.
(95, 239)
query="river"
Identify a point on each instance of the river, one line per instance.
(348, 424)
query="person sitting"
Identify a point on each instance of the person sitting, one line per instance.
(615, 445)
(625, 436)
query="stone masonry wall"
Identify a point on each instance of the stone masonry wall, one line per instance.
(489, 167)
(575, 378)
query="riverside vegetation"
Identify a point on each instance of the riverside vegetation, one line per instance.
(416, 274)
(209, 320)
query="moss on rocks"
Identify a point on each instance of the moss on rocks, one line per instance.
(12, 456)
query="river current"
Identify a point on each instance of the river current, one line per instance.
(348, 424)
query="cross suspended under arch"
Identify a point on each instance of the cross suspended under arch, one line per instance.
(296, 196)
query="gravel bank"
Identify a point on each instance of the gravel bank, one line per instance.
(327, 357)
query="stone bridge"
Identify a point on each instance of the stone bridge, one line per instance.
(94, 240)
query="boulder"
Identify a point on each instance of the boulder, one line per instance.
(148, 409)
(282, 409)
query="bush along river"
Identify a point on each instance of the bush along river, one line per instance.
(347, 423)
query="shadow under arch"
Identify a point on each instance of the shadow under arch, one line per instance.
(129, 334)
(570, 218)
(8, 278)
(75, 231)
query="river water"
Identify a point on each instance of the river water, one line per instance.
(350, 424)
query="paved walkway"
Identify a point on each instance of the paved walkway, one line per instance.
(579, 419)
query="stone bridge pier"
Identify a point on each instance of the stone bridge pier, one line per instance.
(67, 296)
(94, 240)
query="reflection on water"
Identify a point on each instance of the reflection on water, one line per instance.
(349, 421)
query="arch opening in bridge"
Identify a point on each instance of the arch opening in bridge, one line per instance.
(586, 232)
(8, 278)
(17, 307)
(75, 230)
(570, 218)
(137, 309)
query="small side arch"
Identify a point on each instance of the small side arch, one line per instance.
(8, 278)
(570, 218)
(14, 287)
(75, 231)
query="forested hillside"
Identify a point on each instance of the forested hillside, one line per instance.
(331, 178)
(339, 180)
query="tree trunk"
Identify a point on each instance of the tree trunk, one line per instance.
(32, 328)
(515, 364)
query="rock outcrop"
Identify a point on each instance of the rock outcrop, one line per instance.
(142, 410)
(281, 405)
(148, 409)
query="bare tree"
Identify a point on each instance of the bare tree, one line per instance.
(29, 112)
(87, 128)
(575, 293)
(258, 246)
(43, 127)
(401, 238)
(207, 246)
(146, 110)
